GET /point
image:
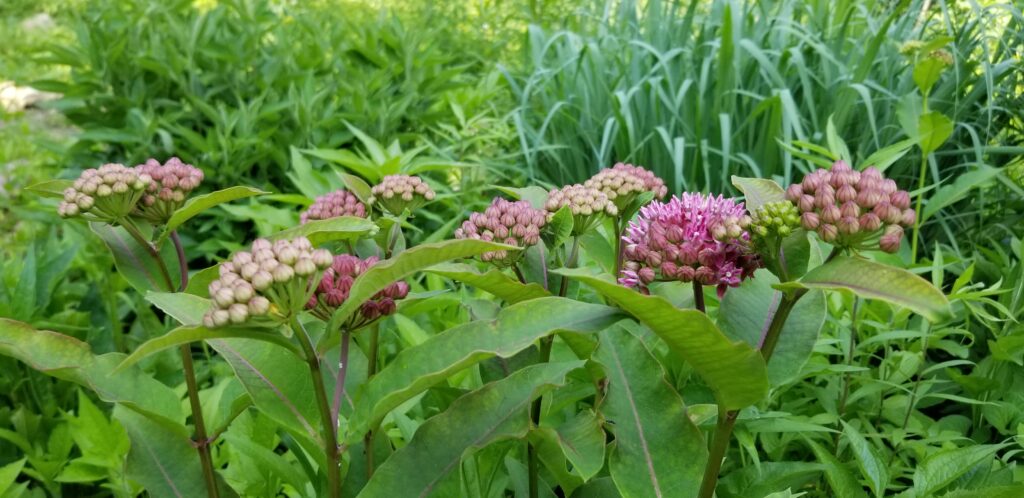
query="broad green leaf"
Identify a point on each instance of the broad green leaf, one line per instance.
(877, 281)
(960, 187)
(357, 186)
(934, 128)
(884, 157)
(746, 312)
(927, 72)
(161, 458)
(559, 228)
(268, 461)
(199, 282)
(188, 334)
(943, 467)
(69, 359)
(836, 143)
(8, 473)
(200, 203)
(840, 479)
(533, 194)
(758, 191)
(408, 262)
(493, 281)
(515, 328)
(495, 412)
(320, 231)
(658, 451)
(733, 370)
(135, 263)
(51, 188)
(186, 308)
(1008, 491)
(582, 441)
(871, 466)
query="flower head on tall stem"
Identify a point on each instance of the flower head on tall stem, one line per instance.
(397, 193)
(587, 205)
(336, 284)
(849, 208)
(507, 222)
(622, 183)
(107, 194)
(171, 183)
(268, 284)
(338, 203)
(690, 238)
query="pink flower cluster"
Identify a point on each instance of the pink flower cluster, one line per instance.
(396, 193)
(513, 223)
(692, 238)
(846, 207)
(171, 183)
(623, 181)
(338, 203)
(336, 284)
(108, 193)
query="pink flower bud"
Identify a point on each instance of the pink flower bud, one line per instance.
(794, 192)
(908, 217)
(846, 193)
(686, 273)
(824, 198)
(870, 222)
(262, 280)
(828, 232)
(704, 275)
(900, 199)
(849, 209)
(891, 239)
(220, 318)
(806, 203)
(646, 275)
(830, 214)
(809, 220)
(259, 306)
(283, 273)
(238, 313)
(848, 225)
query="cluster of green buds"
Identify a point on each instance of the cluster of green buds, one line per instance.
(268, 284)
(338, 203)
(171, 183)
(586, 204)
(513, 223)
(396, 193)
(336, 284)
(848, 208)
(622, 183)
(771, 223)
(108, 193)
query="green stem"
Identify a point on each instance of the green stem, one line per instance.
(330, 436)
(698, 296)
(201, 441)
(533, 462)
(619, 228)
(720, 443)
(371, 370)
(570, 263)
(917, 207)
(133, 230)
(182, 260)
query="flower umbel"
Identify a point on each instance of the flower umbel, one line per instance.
(171, 183)
(693, 238)
(587, 205)
(623, 182)
(396, 193)
(108, 193)
(268, 284)
(333, 290)
(848, 208)
(338, 203)
(513, 223)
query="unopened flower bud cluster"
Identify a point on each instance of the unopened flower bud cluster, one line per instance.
(272, 276)
(171, 183)
(692, 238)
(622, 182)
(396, 193)
(336, 284)
(513, 223)
(335, 204)
(108, 193)
(586, 204)
(771, 223)
(846, 207)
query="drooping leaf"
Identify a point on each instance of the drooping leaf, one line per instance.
(581, 440)
(162, 458)
(733, 370)
(515, 328)
(495, 412)
(943, 467)
(877, 281)
(840, 479)
(200, 203)
(747, 311)
(69, 359)
(493, 281)
(410, 261)
(658, 451)
(339, 228)
(871, 465)
(758, 191)
(135, 263)
(187, 334)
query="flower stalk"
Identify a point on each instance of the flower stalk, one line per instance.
(329, 427)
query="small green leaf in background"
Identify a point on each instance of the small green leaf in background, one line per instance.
(51, 188)
(161, 458)
(884, 157)
(836, 144)
(840, 479)
(964, 183)
(747, 310)
(493, 281)
(582, 441)
(500, 410)
(357, 186)
(877, 281)
(200, 203)
(533, 194)
(927, 72)
(934, 128)
(733, 370)
(135, 263)
(8, 473)
(658, 451)
(339, 228)
(871, 465)
(758, 191)
(943, 467)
